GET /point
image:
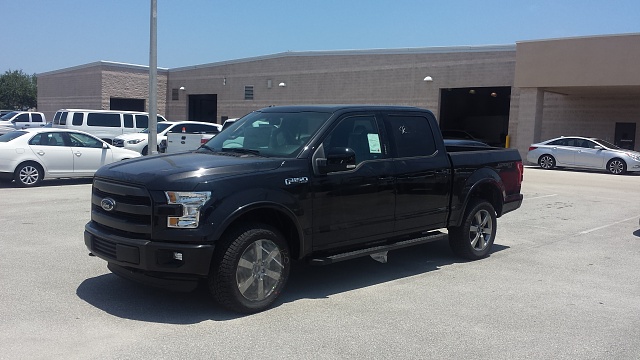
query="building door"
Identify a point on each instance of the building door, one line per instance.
(203, 107)
(625, 135)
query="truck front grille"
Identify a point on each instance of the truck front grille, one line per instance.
(124, 209)
(118, 142)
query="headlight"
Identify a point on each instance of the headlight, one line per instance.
(191, 203)
(635, 157)
(134, 141)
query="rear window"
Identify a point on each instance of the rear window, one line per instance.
(105, 120)
(11, 135)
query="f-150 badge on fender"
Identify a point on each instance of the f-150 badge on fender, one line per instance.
(299, 180)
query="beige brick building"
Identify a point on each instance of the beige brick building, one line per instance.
(519, 94)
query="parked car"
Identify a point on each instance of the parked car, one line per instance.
(139, 141)
(31, 155)
(23, 119)
(585, 153)
(5, 112)
(105, 124)
(5, 129)
(228, 123)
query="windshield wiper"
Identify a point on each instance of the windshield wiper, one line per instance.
(241, 151)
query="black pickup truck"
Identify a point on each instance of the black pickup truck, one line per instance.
(315, 183)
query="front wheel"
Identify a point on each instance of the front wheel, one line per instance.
(474, 237)
(250, 269)
(617, 166)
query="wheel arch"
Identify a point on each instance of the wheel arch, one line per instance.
(30, 161)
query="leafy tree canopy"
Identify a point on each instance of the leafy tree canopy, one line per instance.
(18, 91)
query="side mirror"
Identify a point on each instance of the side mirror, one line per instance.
(337, 159)
(598, 147)
(105, 145)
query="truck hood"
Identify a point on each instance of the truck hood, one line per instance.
(184, 171)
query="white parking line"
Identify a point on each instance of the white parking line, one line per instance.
(605, 226)
(540, 197)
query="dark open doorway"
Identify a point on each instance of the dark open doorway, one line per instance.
(625, 135)
(203, 107)
(482, 112)
(125, 104)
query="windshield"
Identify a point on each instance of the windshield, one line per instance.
(11, 135)
(607, 144)
(8, 115)
(269, 134)
(161, 128)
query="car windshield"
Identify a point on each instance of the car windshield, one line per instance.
(11, 135)
(161, 127)
(8, 116)
(607, 144)
(269, 134)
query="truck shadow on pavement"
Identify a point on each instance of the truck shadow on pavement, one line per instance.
(129, 300)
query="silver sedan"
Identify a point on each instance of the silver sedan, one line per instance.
(585, 153)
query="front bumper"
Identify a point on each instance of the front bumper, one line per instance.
(154, 258)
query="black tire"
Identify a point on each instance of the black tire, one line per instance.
(474, 237)
(145, 150)
(617, 166)
(250, 268)
(547, 162)
(28, 174)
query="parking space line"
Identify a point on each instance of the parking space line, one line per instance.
(605, 226)
(540, 197)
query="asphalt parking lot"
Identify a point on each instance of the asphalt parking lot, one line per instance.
(562, 283)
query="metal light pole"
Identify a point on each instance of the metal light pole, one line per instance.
(153, 81)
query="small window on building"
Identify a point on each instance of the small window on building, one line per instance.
(175, 95)
(248, 92)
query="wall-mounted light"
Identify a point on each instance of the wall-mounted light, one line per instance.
(224, 81)
(472, 92)
(428, 78)
(182, 88)
(282, 84)
(494, 94)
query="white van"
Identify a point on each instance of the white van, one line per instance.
(105, 124)
(23, 119)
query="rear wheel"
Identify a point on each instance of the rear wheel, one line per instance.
(250, 269)
(547, 162)
(28, 174)
(474, 237)
(617, 166)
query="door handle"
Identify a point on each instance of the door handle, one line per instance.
(40, 152)
(77, 154)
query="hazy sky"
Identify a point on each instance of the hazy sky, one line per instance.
(45, 35)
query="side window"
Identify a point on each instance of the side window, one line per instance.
(83, 140)
(56, 117)
(47, 139)
(360, 133)
(177, 128)
(105, 120)
(128, 121)
(77, 119)
(204, 129)
(410, 136)
(142, 121)
(36, 118)
(22, 118)
(63, 118)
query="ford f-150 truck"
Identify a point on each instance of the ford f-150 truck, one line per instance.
(315, 183)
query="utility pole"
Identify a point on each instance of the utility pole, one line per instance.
(153, 81)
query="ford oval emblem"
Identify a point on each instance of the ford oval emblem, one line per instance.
(108, 204)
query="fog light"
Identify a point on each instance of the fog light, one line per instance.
(177, 255)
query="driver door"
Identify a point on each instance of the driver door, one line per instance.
(88, 154)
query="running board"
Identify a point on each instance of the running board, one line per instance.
(427, 237)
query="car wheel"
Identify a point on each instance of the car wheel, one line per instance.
(145, 150)
(617, 166)
(547, 162)
(28, 174)
(251, 268)
(474, 237)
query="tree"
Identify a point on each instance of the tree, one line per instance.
(18, 91)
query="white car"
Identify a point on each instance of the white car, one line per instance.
(582, 152)
(139, 141)
(30, 155)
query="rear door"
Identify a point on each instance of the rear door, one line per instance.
(563, 150)
(355, 205)
(422, 172)
(53, 153)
